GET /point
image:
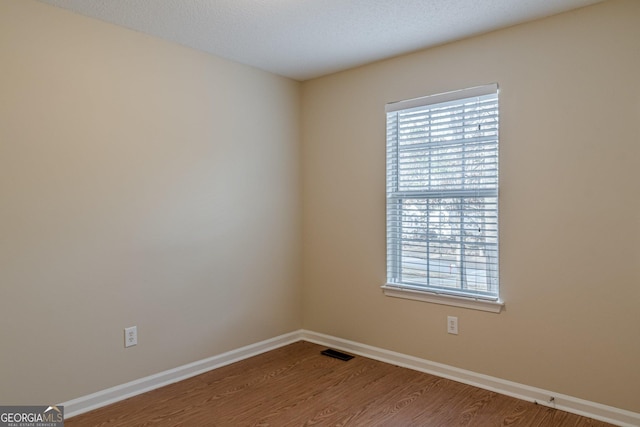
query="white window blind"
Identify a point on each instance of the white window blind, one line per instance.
(442, 194)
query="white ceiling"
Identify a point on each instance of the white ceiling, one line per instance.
(303, 39)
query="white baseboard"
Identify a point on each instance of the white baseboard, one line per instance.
(124, 391)
(563, 402)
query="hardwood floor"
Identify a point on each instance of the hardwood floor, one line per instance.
(297, 386)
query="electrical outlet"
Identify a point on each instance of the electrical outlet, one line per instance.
(452, 325)
(130, 336)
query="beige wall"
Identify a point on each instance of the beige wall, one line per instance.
(141, 183)
(569, 205)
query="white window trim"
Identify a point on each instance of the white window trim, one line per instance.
(398, 290)
(393, 290)
(441, 97)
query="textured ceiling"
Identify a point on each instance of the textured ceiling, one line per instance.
(302, 39)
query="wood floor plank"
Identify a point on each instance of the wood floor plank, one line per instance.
(297, 386)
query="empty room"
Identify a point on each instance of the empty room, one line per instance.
(199, 197)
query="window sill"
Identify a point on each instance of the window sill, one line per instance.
(471, 303)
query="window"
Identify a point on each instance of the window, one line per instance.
(442, 198)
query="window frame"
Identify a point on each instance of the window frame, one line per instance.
(426, 292)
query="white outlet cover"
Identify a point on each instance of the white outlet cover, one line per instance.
(452, 325)
(130, 336)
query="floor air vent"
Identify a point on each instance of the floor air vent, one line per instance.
(336, 354)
